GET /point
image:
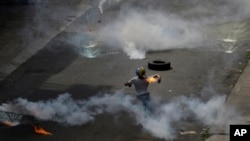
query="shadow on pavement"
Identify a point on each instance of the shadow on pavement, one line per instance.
(53, 58)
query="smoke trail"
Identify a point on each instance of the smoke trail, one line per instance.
(100, 5)
(64, 109)
(102, 2)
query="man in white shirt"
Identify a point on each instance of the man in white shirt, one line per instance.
(141, 83)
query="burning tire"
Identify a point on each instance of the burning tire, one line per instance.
(159, 65)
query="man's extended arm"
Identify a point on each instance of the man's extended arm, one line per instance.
(128, 84)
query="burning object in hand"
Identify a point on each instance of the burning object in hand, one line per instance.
(154, 78)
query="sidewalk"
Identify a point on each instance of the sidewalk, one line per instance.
(25, 29)
(240, 97)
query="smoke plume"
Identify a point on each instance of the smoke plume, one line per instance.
(164, 25)
(139, 32)
(64, 109)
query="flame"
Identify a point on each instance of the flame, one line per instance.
(151, 79)
(40, 130)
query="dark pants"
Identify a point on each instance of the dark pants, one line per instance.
(145, 99)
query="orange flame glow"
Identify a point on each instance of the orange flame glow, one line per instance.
(41, 131)
(151, 79)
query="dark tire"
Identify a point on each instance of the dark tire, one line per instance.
(159, 65)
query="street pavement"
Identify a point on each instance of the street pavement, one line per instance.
(26, 29)
(14, 53)
(239, 98)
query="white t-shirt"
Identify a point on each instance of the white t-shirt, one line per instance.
(141, 85)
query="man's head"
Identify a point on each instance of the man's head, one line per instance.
(140, 71)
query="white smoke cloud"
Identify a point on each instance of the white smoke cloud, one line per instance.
(139, 32)
(152, 29)
(64, 109)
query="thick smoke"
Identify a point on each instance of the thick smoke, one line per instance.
(164, 25)
(139, 32)
(64, 109)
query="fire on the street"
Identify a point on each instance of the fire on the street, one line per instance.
(41, 131)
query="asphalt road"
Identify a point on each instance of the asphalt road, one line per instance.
(61, 67)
